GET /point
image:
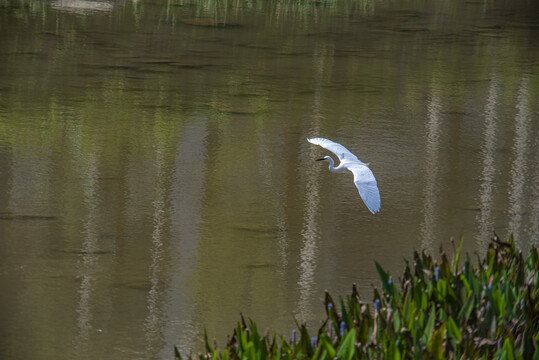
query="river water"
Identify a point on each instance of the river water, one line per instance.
(156, 181)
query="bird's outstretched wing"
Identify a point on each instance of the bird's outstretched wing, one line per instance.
(342, 153)
(363, 177)
(366, 185)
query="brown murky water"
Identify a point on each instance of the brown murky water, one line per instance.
(156, 181)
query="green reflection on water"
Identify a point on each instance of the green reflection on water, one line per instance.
(164, 144)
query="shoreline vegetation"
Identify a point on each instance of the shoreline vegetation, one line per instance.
(438, 310)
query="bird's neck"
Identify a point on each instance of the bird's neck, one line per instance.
(332, 168)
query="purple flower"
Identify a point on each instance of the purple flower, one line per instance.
(330, 306)
(390, 281)
(293, 336)
(377, 304)
(343, 326)
(489, 286)
(313, 341)
(437, 273)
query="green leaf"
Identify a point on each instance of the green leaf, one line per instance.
(536, 353)
(250, 352)
(394, 352)
(436, 345)
(441, 286)
(497, 300)
(384, 277)
(453, 329)
(456, 258)
(507, 350)
(418, 353)
(344, 314)
(242, 337)
(304, 343)
(396, 321)
(466, 284)
(429, 328)
(466, 309)
(442, 316)
(512, 242)
(532, 258)
(347, 349)
(424, 301)
(509, 299)
(421, 319)
(330, 350)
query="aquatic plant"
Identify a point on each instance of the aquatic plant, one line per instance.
(440, 311)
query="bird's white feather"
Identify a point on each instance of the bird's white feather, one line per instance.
(340, 151)
(367, 186)
(363, 177)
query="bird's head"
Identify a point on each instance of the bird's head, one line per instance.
(325, 158)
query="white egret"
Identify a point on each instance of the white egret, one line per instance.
(363, 177)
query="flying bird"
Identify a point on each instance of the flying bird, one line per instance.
(363, 177)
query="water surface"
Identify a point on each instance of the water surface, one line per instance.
(156, 181)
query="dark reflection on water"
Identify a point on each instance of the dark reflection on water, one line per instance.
(156, 180)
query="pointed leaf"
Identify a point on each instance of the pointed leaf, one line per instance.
(453, 329)
(384, 277)
(457, 256)
(429, 328)
(347, 349)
